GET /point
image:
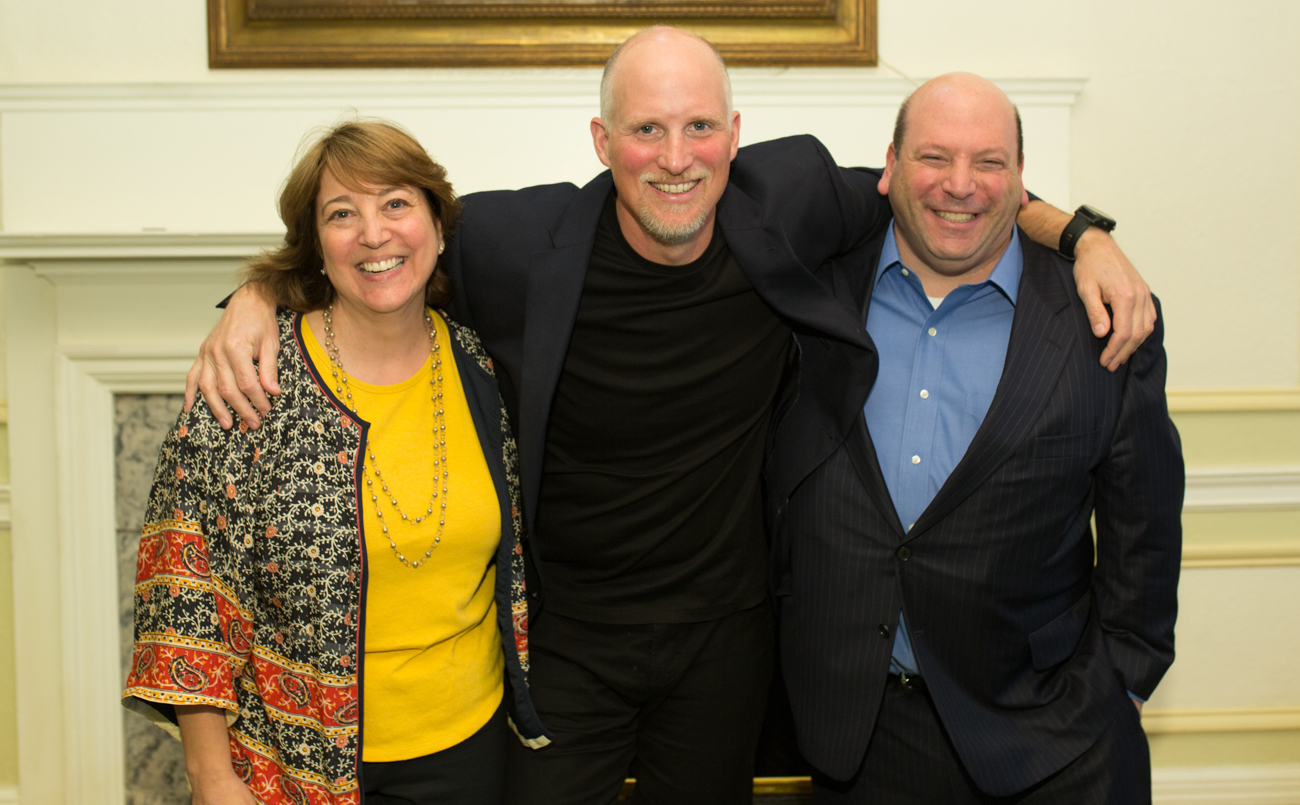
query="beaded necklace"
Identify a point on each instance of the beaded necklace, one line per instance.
(439, 443)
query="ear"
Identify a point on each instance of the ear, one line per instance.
(735, 133)
(883, 186)
(1020, 171)
(600, 139)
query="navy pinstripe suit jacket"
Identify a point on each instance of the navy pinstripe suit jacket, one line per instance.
(1020, 635)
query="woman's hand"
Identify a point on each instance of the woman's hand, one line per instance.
(224, 371)
(207, 757)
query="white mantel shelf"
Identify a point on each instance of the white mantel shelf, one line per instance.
(28, 248)
(491, 88)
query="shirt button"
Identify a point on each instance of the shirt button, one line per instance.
(932, 331)
(905, 272)
(916, 459)
(925, 395)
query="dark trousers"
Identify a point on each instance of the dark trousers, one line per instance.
(469, 773)
(911, 760)
(678, 706)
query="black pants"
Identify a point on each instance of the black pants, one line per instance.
(678, 706)
(912, 761)
(469, 773)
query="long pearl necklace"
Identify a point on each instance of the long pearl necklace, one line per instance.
(439, 442)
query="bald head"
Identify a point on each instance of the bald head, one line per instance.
(954, 180)
(659, 47)
(966, 87)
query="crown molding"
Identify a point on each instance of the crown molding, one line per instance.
(444, 89)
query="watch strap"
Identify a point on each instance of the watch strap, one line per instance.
(1072, 232)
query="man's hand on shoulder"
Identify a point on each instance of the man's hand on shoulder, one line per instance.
(1104, 276)
(224, 372)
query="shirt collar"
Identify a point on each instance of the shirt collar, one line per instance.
(1005, 276)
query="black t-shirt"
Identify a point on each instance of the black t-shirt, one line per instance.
(650, 508)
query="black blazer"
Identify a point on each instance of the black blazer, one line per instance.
(1020, 638)
(519, 258)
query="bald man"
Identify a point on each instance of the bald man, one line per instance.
(641, 327)
(946, 634)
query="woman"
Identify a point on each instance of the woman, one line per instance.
(333, 604)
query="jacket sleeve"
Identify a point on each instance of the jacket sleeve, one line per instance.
(824, 210)
(1139, 498)
(193, 635)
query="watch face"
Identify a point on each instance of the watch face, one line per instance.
(1098, 217)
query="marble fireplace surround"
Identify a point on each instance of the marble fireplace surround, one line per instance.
(90, 316)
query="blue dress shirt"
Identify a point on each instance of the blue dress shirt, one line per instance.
(939, 369)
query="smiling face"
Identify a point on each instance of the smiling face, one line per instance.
(955, 183)
(379, 246)
(668, 142)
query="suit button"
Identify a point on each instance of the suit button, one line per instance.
(904, 553)
(884, 630)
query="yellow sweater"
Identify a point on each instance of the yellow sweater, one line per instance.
(434, 671)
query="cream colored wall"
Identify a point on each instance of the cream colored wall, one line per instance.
(1186, 131)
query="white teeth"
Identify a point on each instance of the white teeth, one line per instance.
(955, 217)
(680, 187)
(382, 266)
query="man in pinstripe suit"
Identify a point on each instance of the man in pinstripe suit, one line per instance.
(946, 635)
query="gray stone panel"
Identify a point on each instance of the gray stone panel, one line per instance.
(155, 764)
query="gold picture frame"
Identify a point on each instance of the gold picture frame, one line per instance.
(528, 33)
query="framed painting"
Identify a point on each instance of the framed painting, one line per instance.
(528, 33)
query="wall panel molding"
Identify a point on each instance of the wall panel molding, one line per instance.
(1220, 719)
(1242, 554)
(1248, 488)
(1226, 400)
(1265, 784)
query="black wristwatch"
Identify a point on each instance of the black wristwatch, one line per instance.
(1084, 217)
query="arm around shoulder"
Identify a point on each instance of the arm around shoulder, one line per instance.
(236, 363)
(1105, 279)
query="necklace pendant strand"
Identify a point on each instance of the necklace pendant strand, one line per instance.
(439, 444)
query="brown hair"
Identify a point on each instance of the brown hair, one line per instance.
(357, 152)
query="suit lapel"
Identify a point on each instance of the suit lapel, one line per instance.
(862, 452)
(555, 280)
(854, 290)
(1041, 335)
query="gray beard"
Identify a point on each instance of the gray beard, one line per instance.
(670, 234)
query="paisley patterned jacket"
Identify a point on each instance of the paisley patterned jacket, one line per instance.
(251, 582)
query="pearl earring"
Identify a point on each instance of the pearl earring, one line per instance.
(440, 248)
